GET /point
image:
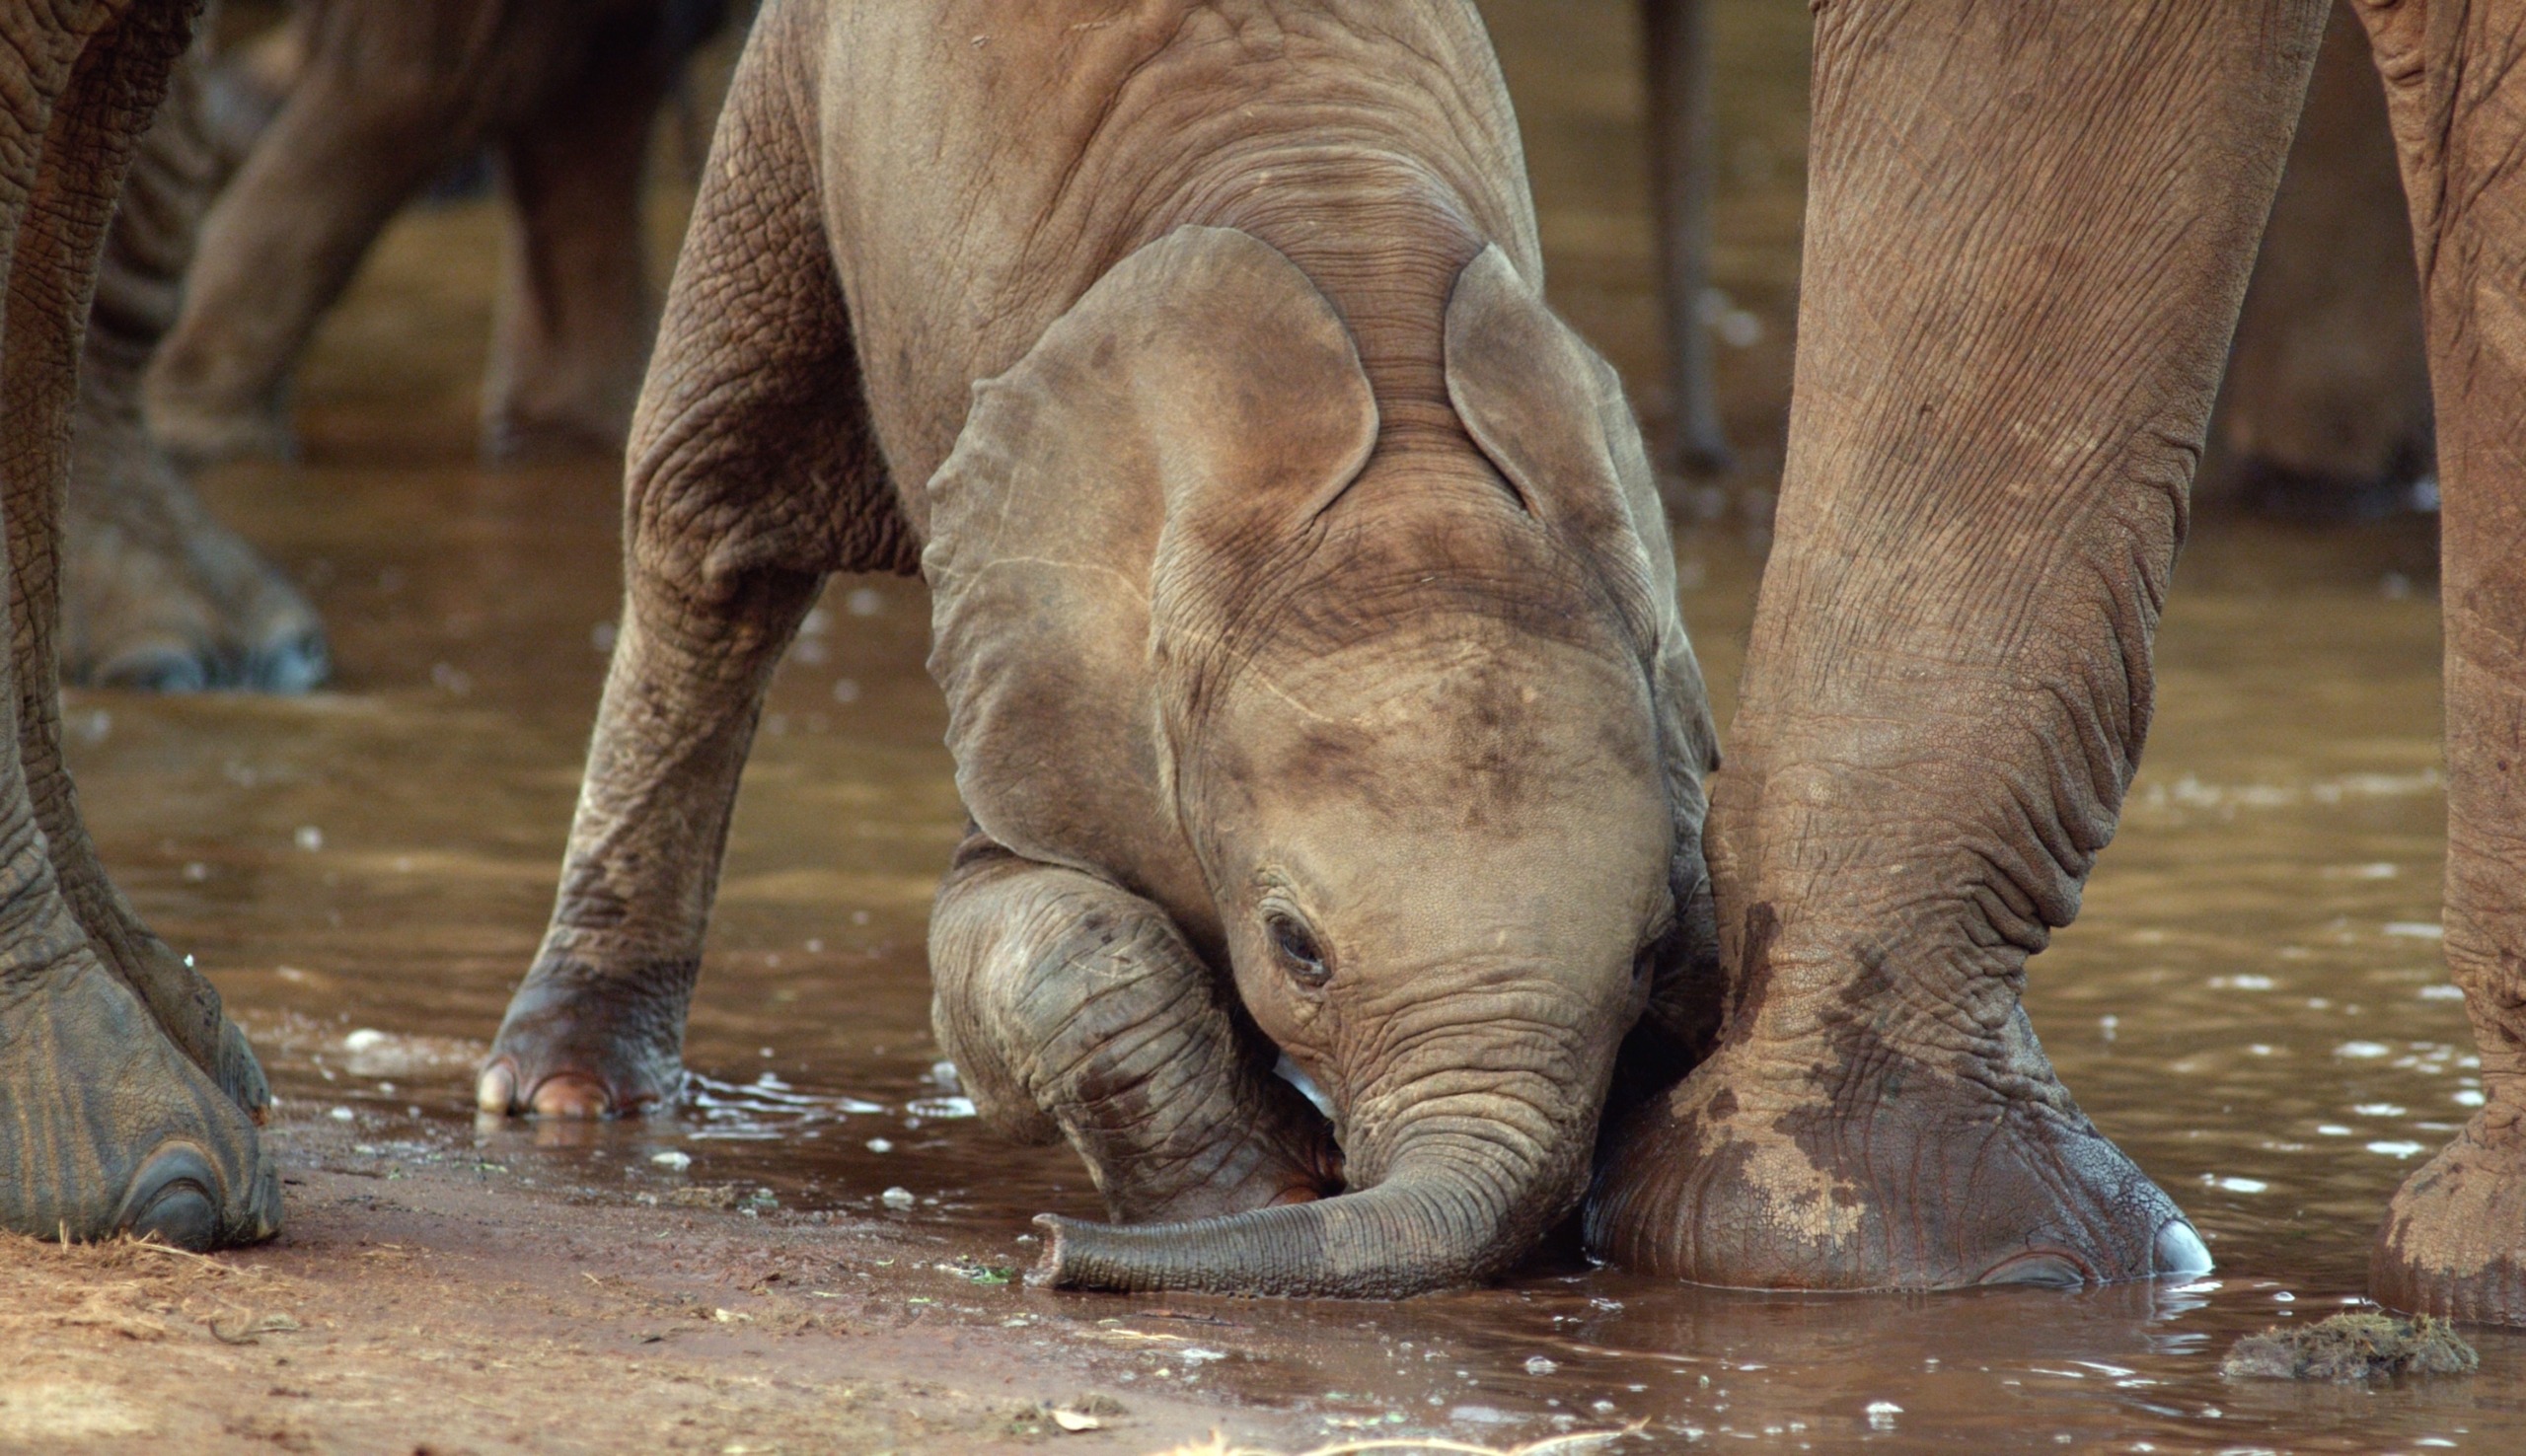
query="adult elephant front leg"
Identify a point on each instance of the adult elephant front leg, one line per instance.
(2021, 273)
(106, 1125)
(2454, 1241)
(1675, 35)
(751, 473)
(572, 325)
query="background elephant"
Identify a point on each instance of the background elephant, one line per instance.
(1303, 603)
(128, 1100)
(2020, 285)
(336, 118)
(157, 593)
(2325, 416)
(385, 98)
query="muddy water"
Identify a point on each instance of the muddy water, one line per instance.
(2251, 1004)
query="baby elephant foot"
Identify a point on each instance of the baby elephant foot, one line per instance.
(110, 1129)
(1766, 1171)
(1074, 1009)
(578, 1044)
(2454, 1240)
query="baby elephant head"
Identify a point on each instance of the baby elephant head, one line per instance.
(1405, 734)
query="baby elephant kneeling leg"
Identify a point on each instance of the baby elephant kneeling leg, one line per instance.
(1073, 1008)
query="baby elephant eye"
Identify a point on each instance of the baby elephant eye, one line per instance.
(1300, 955)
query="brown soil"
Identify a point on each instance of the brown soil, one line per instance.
(434, 1306)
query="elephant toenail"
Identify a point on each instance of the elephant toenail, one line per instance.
(2179, 1253)
(497, 1092)
(571, 1095)
(2048, 1270)
(173, 1201)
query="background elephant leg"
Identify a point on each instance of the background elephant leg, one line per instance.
(2454, 1241)
(2325, 411)
(387, 100)
(570, 326)
(1076, 1009)
(751, 473)
(242, 90)
(1676, 35)
(2022, 271)
(157, 594)
(107, 1125)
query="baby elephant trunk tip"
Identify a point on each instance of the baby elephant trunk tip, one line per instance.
(1403, 1237)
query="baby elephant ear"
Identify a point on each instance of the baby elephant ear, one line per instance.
(1202, 370)
(1550, 411)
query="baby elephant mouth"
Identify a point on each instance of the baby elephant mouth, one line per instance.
(1289, 1072)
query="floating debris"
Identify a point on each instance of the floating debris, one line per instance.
(2349, 1347)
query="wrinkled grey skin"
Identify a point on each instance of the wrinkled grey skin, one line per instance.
(127, 1101)
(2021, 279)
(1303, 607)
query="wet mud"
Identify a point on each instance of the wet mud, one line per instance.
(819, 1251)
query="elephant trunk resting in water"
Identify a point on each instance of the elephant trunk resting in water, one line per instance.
(1304, 605)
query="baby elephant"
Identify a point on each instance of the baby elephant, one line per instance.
(1302, 602)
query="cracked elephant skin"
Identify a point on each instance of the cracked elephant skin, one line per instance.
(1948, 680)
(1303, 607)
(128, 1102)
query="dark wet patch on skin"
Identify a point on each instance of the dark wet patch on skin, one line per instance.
(1752, 983)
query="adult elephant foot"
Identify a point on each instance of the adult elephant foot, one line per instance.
(1783, 1169)
(158, 596)
(112, 1129)
(2454, 1240)
(574, 1045)
(201, 427)
(518, 434)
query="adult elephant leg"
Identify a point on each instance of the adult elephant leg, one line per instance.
(753, 473)
(391, 94)
(2326, 412)
(157, 594)
(2030, 229)
(571, 327)
(1677, 41)
(2454, 1241)
(105, 1125)
(1076, 1009)
(54, 545)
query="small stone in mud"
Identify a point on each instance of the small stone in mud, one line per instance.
(896, 1198)
(2364, 1345)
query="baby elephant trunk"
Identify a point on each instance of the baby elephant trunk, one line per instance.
(1434, 1222)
